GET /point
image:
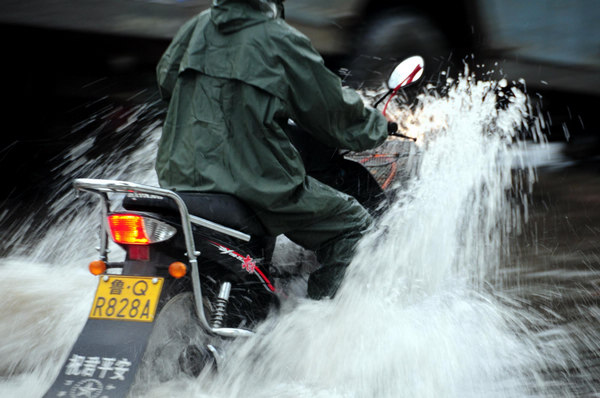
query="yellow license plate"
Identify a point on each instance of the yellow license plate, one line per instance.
(127, 298)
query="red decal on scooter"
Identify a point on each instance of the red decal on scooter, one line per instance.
(248, 264)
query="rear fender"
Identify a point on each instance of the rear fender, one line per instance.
(106, 357)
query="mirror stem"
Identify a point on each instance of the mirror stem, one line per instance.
(380, 100)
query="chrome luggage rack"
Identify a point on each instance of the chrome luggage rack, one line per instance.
(104, 187)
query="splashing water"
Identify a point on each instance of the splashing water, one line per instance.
(47, 290)
(421, 313)
(413, 317)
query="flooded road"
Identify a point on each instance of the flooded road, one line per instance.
(474, 284)
(555, 269)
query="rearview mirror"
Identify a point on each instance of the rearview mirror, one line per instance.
(407, 72)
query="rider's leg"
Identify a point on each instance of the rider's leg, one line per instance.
(325, 221)
(334, 241)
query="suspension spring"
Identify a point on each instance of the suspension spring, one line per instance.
(220, 305)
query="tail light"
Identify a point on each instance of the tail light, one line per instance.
(133, 229)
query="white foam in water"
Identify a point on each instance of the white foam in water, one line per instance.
(46, 288)
(43, 309)
(413, 318)
(420, 314)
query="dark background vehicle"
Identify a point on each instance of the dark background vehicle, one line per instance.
(74, 68)
(546, 42)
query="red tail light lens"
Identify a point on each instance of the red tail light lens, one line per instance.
(128, 229)
(133, 229)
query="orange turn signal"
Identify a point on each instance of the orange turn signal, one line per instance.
(177, 270)
(97, 267)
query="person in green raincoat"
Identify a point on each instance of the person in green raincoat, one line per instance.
(233, 76)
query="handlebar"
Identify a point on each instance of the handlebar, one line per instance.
(393, 131)
(403, 136)
(392, 127)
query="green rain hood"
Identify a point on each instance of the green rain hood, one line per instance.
(234, 76)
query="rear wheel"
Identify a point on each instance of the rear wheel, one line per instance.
(178, 344)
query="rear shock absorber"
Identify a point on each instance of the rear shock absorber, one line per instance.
(221, 305)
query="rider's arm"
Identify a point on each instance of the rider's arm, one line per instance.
(319, 104)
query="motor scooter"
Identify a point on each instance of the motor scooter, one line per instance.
(199, 261)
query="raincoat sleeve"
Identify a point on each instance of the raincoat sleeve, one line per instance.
(333, 114)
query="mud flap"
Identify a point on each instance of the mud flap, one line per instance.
(104, 360)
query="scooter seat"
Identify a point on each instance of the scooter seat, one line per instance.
(220, 208)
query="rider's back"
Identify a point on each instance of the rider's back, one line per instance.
(234, 76)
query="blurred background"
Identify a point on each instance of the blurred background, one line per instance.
(78, 68)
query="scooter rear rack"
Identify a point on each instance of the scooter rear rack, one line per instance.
(104, 187)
